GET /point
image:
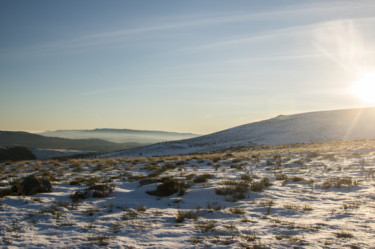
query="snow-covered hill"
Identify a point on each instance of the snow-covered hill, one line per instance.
(284, 129)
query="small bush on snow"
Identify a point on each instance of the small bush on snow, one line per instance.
(206, 226)
(169, 186)
(181, 216)
(203, 178)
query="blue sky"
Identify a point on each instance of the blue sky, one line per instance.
(189, 66)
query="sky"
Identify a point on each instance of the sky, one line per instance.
(184, 66)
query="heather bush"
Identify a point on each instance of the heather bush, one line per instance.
(169, 186)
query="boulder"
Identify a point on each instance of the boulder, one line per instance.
(102, 190)
(31, 185)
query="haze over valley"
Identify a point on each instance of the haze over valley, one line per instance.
(120, 135)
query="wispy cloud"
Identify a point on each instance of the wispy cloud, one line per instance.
(261, 36)
(121, 35)
(291, 31)
(323, 53)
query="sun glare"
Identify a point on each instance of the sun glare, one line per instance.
(364, 88)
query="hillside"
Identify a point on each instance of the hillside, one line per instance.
(17, 153)
(120, 135)
(320, 126)
(33, 141)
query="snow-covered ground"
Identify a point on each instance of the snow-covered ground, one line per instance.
(284, 129)
(316, 196)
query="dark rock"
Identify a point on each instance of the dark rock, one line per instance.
(93, 191)
(31, 185)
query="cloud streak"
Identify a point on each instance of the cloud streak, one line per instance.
(123, 35)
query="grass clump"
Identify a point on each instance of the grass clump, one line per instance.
(206, 226)
(181, 216)
(307, 207)
(338, 182)
(268, 204)
(202, 178)
(102, 239)
(261, 185)
(296, 179)
(141, 208)
(211, 207)
(169, 186)
(344, 235)
(236, 189)
(6, 192)
(129, 215)
(90, 181)
(291, 206)
(98, 191)
(246, 178)
(351, 204)
(237, 210)
(281, 177)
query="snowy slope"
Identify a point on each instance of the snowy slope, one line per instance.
(285, 129)
(317, 197)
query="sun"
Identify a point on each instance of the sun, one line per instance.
(364, 88)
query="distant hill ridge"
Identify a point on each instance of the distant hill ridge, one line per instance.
(34, 141)
(350, 124)
(124, 131)
(120, 135)
(141, 131)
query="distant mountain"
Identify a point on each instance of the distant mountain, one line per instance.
(284, 129)
(120, 135)
(34, 141)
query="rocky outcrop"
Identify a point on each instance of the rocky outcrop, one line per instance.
(102, 190)
(31, 185)
(17, 153)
